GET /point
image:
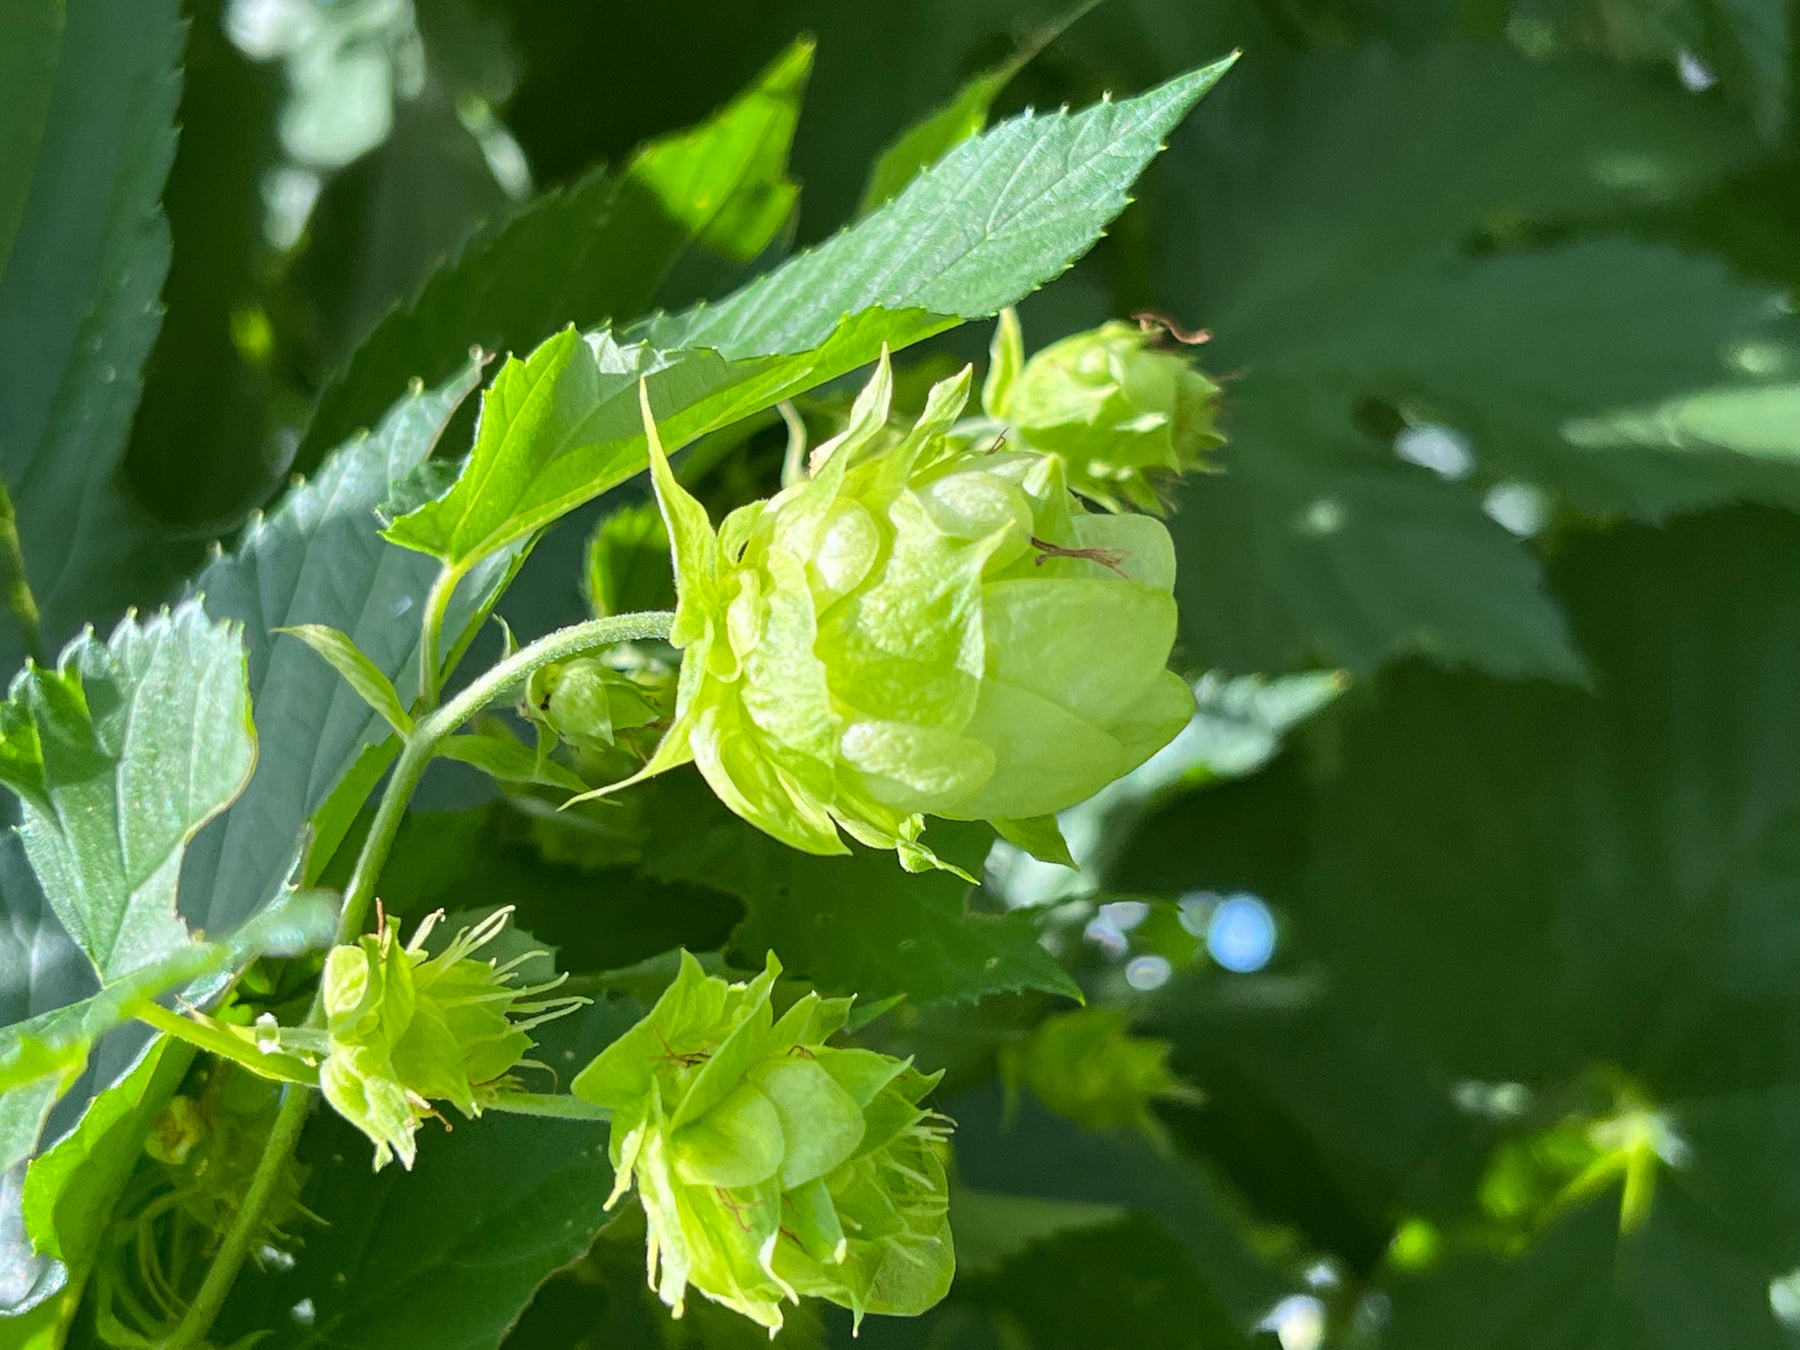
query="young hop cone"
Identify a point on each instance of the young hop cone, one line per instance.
(1125, 417)
(1087, 1067)
(769, 1164)
(917, 628)
(590, 705)
(405, 1028)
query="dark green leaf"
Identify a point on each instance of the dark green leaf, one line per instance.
(30, 33)
(78, 305)
(857, 924)
(317, 558)
(1318, 542)
(596, 250)
(1317, 546)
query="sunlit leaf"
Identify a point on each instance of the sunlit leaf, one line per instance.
(996, 218)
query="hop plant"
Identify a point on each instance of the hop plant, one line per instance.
(405, 1028)
(1125, 417)
(1087, 1067)
(917, 628)
(769, 1164)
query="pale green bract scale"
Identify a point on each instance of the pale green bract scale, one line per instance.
(770, 1165)
(920, 627)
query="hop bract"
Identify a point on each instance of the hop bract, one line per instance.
(918, 628)
(1125, 417)
(769, 1164)
(405, 1028)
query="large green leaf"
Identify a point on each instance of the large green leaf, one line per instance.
(78, 306)
(856, 924)
(1524, 882)
(597, 250)
(1584, 1285)
(1319, 541)
(1421, 297)
(997, 217)
(317, 558)
(120, 754)
(30, 33)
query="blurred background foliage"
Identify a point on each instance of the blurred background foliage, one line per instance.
(1468, 915)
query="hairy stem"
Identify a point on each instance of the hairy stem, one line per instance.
(359, 895)
(431, 635)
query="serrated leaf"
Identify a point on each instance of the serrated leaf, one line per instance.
(596, 250)
(120, 754)
(852, 925)
(359, 672)
(78, 300)
(995, 219)
(933, 136)
(316, 558)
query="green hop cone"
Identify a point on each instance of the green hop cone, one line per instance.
(590, 705)
(1126, 418)
(1087, 1067)
(405, 1028)
(917, 628)
(769, 1164)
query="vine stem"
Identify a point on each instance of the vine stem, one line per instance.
(431, 634)
(359, 895)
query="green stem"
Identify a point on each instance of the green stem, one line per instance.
(218, 1041)
(431, 634)
(558, 1106)
(359, 895)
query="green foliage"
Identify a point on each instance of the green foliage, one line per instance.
(856, 923)
(86, 251)
(992, 221)
(120, 754)
(1363, 915)
(597, 250)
